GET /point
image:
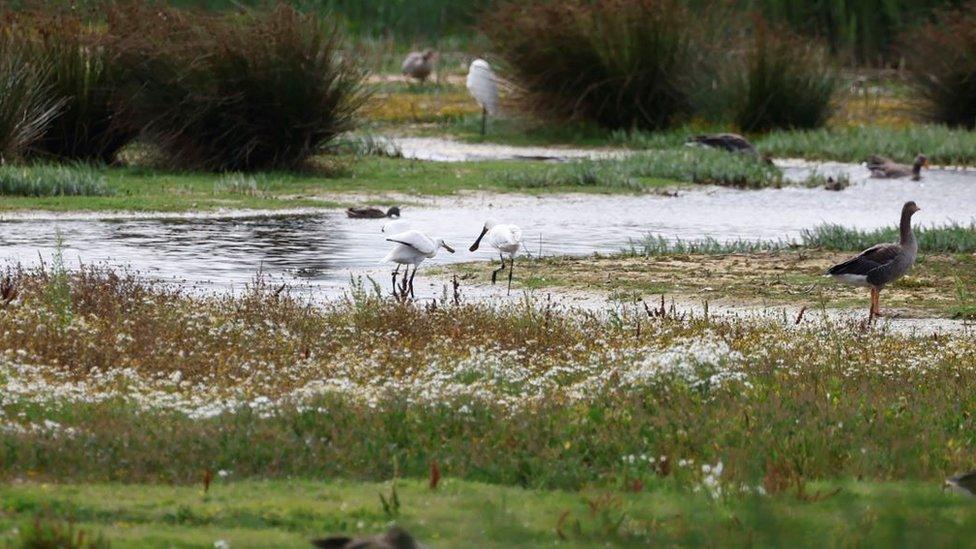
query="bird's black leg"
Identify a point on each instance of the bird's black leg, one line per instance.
(510, 269)
(494, 274)
(412, 296)
(484, 120)
(395, 272)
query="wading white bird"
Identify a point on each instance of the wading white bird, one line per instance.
(507, 239)
(483, 87)
(412, 248)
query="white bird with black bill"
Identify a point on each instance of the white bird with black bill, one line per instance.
(505, 238)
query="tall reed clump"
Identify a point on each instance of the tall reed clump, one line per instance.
(82, 77)
(26, 107)
(941, 59)
(252, 91)
(620, 63)
(782, 81)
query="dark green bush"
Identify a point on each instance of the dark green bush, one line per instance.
(242, 92)
(782, 81)
(620, 63)
(26, 105)
(82, 77)
(942, 62)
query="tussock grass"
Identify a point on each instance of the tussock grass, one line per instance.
(147, 383)
(686, 164)
(41, 180)
(26, 106)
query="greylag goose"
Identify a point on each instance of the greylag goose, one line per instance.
(506, 239)
(412, 248)
(418, 64)
(395, 538)
(369, 212)
(881, 264)
(483, 87)
(885, 168)
(963, 482)
(731, 142)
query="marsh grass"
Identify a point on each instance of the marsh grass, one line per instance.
(26, 105)
(942, 145)
(148, 383)
(683, 165)
(42, 180)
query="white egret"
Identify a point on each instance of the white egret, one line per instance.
(483, 87)
(505, 238)
(412, 248)
(418, 64)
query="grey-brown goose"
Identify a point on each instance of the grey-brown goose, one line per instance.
(964, 483)
(369, 212)
(885, 168)
(731, 142)
(395, 538)
(882, 264)
(418, 64)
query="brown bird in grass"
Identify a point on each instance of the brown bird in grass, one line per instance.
(885, 168)
(418, 64)
(370, 212)
(964, 483)
(883, 264)
(395, 538)
(731, 142)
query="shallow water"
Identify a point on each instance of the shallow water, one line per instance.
(320, 250)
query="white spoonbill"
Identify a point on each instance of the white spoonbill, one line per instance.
(505, 238)
(483, 87)
(412, 248)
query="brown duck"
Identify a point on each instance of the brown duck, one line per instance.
(882, 264)
(370, 212)
(885, 168)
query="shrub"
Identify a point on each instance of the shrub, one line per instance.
(244, 92)
(83, 79)
(52, 180)
(620, 63)
(783, 81)
(941, 59)
(26, 107)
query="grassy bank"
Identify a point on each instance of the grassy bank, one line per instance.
(459, 513)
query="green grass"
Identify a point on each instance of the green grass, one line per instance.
(52, 180)
(459, 513)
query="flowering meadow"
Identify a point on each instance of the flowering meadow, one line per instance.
(107, 377)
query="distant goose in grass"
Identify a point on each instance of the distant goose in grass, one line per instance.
(884, 168)
(412, 248)
(395, 538)
(964, 483)
(483, 87)
(731, 142)
(418, 64)
(882, 264)
(370, 212)
(507, 239)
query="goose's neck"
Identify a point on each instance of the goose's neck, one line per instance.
(907, 235)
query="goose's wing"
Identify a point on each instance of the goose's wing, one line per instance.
(411, 61)
(868, 260)
(876, 161)
(416, 240)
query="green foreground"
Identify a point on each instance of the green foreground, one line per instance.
(289, 513)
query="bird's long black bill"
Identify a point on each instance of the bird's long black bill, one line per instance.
(478, 242)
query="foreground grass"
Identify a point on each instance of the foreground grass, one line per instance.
(459, 513)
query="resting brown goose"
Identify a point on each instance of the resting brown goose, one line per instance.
(882, 264)
(885, 168)
(419, 65)
(369, 212)
(395, 538)
(731, 142)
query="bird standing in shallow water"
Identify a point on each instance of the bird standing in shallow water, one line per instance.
(412, 248)
(482, 86)
(882, 264)
(507, 239)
